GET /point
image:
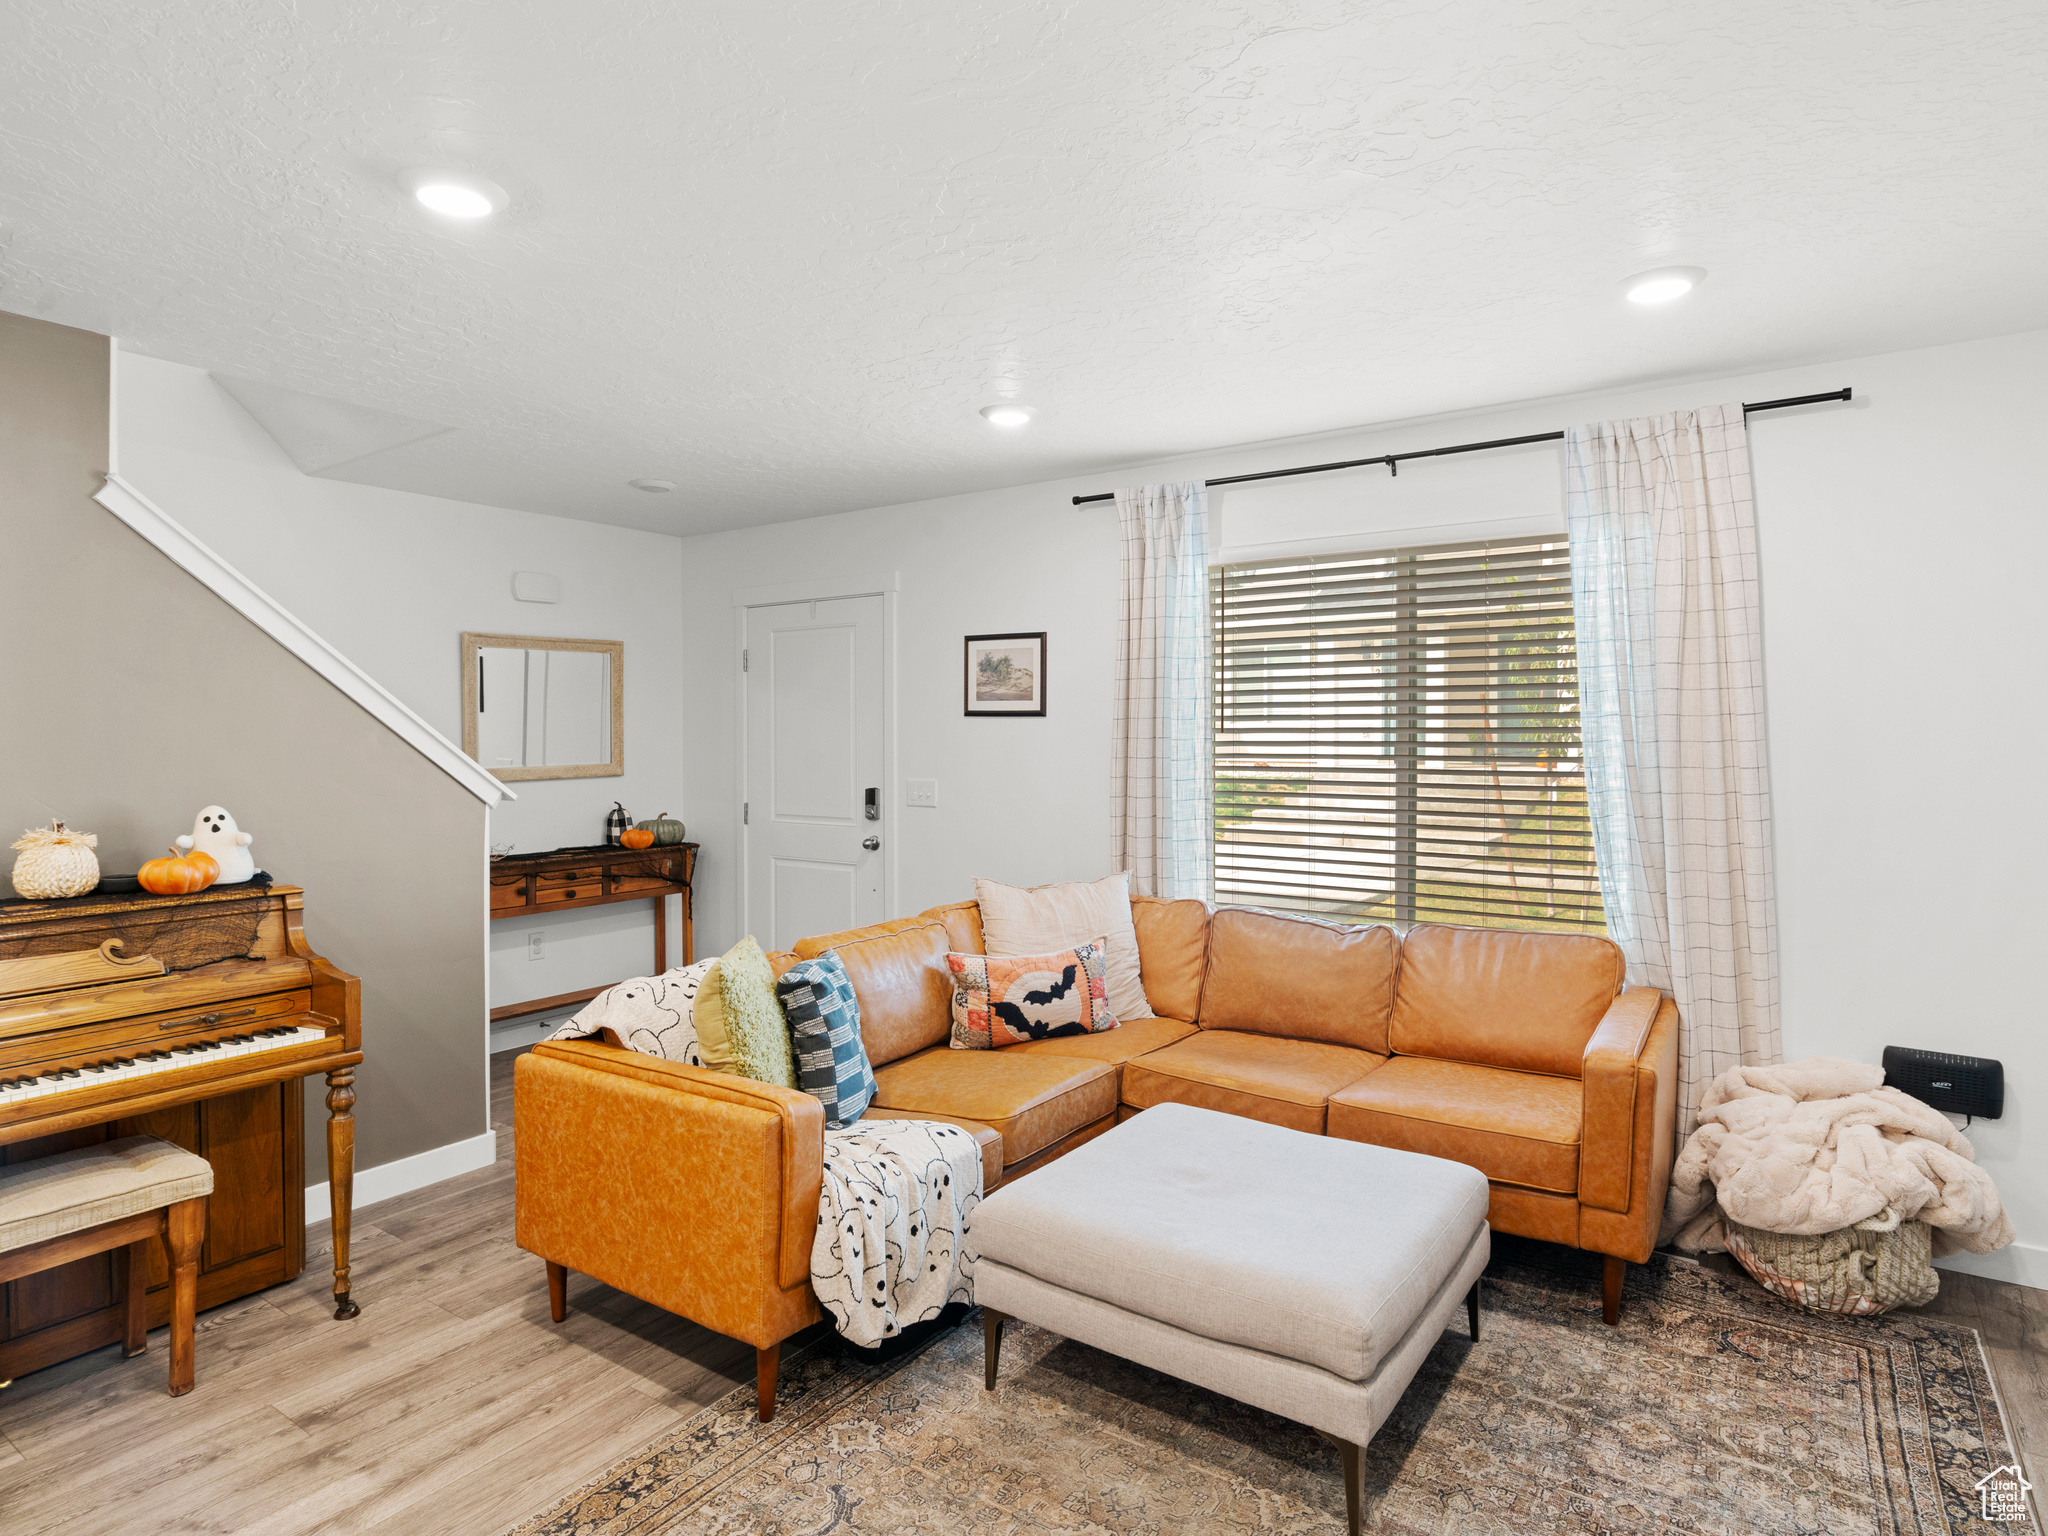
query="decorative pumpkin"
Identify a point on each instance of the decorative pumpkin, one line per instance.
(55, 862)
(179, 875)
(639, 837)
(665, 830)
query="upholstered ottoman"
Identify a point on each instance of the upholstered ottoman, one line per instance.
(1303, 1275)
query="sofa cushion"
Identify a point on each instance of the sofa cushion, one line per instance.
(1517, 1127)
(1295, 976)
(1138, 1037)
(739, 1024)
(963, 925)
(1499, 997)
(824, 1036)
(1044, 918)
(985, 1137)
(814, 946)
(1262, 1077)
(1032, 1101)
(1173, 951)
(1004, 1000)
(905, 992)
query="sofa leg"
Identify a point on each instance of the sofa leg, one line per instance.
(766, 1362)
(1472, 1310)
(1354, 1494)
(558, 1290)
(1610, 1289)
(992, 1344)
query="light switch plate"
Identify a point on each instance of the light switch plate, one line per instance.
(921, 792)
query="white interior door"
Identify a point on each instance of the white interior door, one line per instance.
(815, 761)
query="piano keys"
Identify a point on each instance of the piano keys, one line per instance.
(126, 1071)
(198, 1018)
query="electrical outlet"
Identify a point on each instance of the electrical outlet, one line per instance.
(533, 943)
(921, 792)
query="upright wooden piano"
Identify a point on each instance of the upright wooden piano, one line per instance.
(197, 1019)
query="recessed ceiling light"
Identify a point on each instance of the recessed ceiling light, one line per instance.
(456, 195)
(652, 485)
(1007, 415)
(1664, 284)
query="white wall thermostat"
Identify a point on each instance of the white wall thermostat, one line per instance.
(536, 587)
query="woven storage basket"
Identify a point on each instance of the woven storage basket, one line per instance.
(1871, 1267)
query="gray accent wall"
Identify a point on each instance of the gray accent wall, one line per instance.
(130, 696)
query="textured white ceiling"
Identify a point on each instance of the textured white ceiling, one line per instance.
(781, 253)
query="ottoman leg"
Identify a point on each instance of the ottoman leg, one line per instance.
(1353, 1493)
(992, 1341)
(1610, 1290)
(766, 1363)
(1472, 1310)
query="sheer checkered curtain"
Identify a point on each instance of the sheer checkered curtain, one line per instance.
(1671, 710)
(1161, 814)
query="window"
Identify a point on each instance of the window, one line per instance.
(1397, 738)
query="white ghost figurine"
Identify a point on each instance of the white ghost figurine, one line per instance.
(214, 833)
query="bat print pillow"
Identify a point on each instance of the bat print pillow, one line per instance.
(1003, 1000)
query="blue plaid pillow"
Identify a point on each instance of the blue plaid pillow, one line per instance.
(824, 1031)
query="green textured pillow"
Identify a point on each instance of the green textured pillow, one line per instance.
(754, 1026)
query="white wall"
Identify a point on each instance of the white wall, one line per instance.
(1902, 538)
(392, 578)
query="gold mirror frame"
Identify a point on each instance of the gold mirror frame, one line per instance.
(473, 643)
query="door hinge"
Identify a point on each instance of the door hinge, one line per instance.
(743, 660)
(745, 808)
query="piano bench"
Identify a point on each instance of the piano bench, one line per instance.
(121, 1195)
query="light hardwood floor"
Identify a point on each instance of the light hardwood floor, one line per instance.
(453, 1405)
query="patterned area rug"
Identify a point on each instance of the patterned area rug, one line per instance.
(1713, 1408)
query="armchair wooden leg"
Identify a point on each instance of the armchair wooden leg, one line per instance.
(1354, 1498)
(1472, 1310)
(766, 1362)
(1610, 1289)
(131, 1279)
(184, 1230)
(992, 1344)
(558, 1290)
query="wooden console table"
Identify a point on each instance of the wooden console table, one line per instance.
(534, 884)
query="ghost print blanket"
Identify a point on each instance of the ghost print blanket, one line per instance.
(893, 1246)
(654, 1015)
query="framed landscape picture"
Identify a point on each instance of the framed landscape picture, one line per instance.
(1006, 674)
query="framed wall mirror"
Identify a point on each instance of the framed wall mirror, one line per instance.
(534, 707)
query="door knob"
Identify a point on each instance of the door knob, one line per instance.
(871, 843)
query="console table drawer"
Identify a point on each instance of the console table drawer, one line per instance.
(551, 895)
(642, 883)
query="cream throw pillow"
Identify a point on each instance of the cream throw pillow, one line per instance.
(1044, 918)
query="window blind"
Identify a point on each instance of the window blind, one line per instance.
(1397, 737)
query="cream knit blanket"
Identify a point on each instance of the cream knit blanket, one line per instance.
(1817, 1145)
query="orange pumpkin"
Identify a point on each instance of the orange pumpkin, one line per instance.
(180, 874)
(637, 837)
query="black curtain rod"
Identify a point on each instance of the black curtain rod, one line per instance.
(1393, 460)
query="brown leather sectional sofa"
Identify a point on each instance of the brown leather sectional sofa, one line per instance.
(1520, 1054)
